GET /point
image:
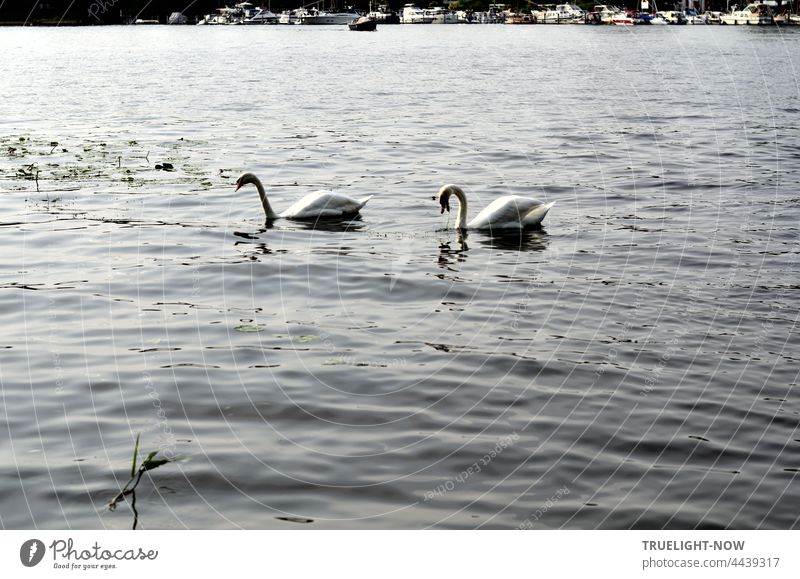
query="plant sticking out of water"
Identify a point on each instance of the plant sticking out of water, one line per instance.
(27, 171)
(30, 172)
(147, 464)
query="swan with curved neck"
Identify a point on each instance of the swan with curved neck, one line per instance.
(508, 212)
(317, 205)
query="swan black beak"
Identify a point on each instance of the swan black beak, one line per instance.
(445, 205)
(238, 186)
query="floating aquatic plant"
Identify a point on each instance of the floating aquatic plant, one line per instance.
(148, 463)
(302, 338)
(247, 329)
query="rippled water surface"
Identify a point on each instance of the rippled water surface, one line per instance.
(634, 364)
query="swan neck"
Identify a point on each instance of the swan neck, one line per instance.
(461, 216)
(264, 201)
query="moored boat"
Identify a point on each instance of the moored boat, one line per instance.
(752, 14)
(787, 18)
(262, 16)
(674, 17)
(237, 15)
(548, 16)
(605, 14)
(413, 14)
(441, 16)
(520, 18)
(329, 17)
(693, 17)
(648, 14)
(622, 19)
(570, 14)
(291, 16)
(177, 18)
(384, 15)
(492, 16)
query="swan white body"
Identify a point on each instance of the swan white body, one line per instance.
(324, 205)
(317, 205)
(504, 213)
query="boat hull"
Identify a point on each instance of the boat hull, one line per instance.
(363, 25)
(328, 18)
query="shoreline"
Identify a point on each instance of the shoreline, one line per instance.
(78, 24)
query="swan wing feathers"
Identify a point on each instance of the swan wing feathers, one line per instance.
(537, 214)
(508, 212)
(322, 204)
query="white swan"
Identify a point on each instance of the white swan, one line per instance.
(509, 212)
(317, 205)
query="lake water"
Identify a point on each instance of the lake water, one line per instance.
(634, 364)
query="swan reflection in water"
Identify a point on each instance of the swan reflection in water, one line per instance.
(452, 256)
(331, 225)
(516, 240)
(525, 240)
(253, 245)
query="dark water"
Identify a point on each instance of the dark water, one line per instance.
(631, 365)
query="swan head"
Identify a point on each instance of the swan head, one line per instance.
(443, 196)
(244, 179)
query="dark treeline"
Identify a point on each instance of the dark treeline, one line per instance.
(98, 11)
(112, 11)
(123, 11)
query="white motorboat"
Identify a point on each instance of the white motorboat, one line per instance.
(413, 14)
(290, 16)
(605, 14)
(491, 17)
(674, 16)
(751, 14)
(236, 15)
(262, 16)
(559, 14)
(221, 16)
(384, 15)
(570, 14)
(549, 16)
(471, 17)
(329, 17)
(622, 19)
(441, 16)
